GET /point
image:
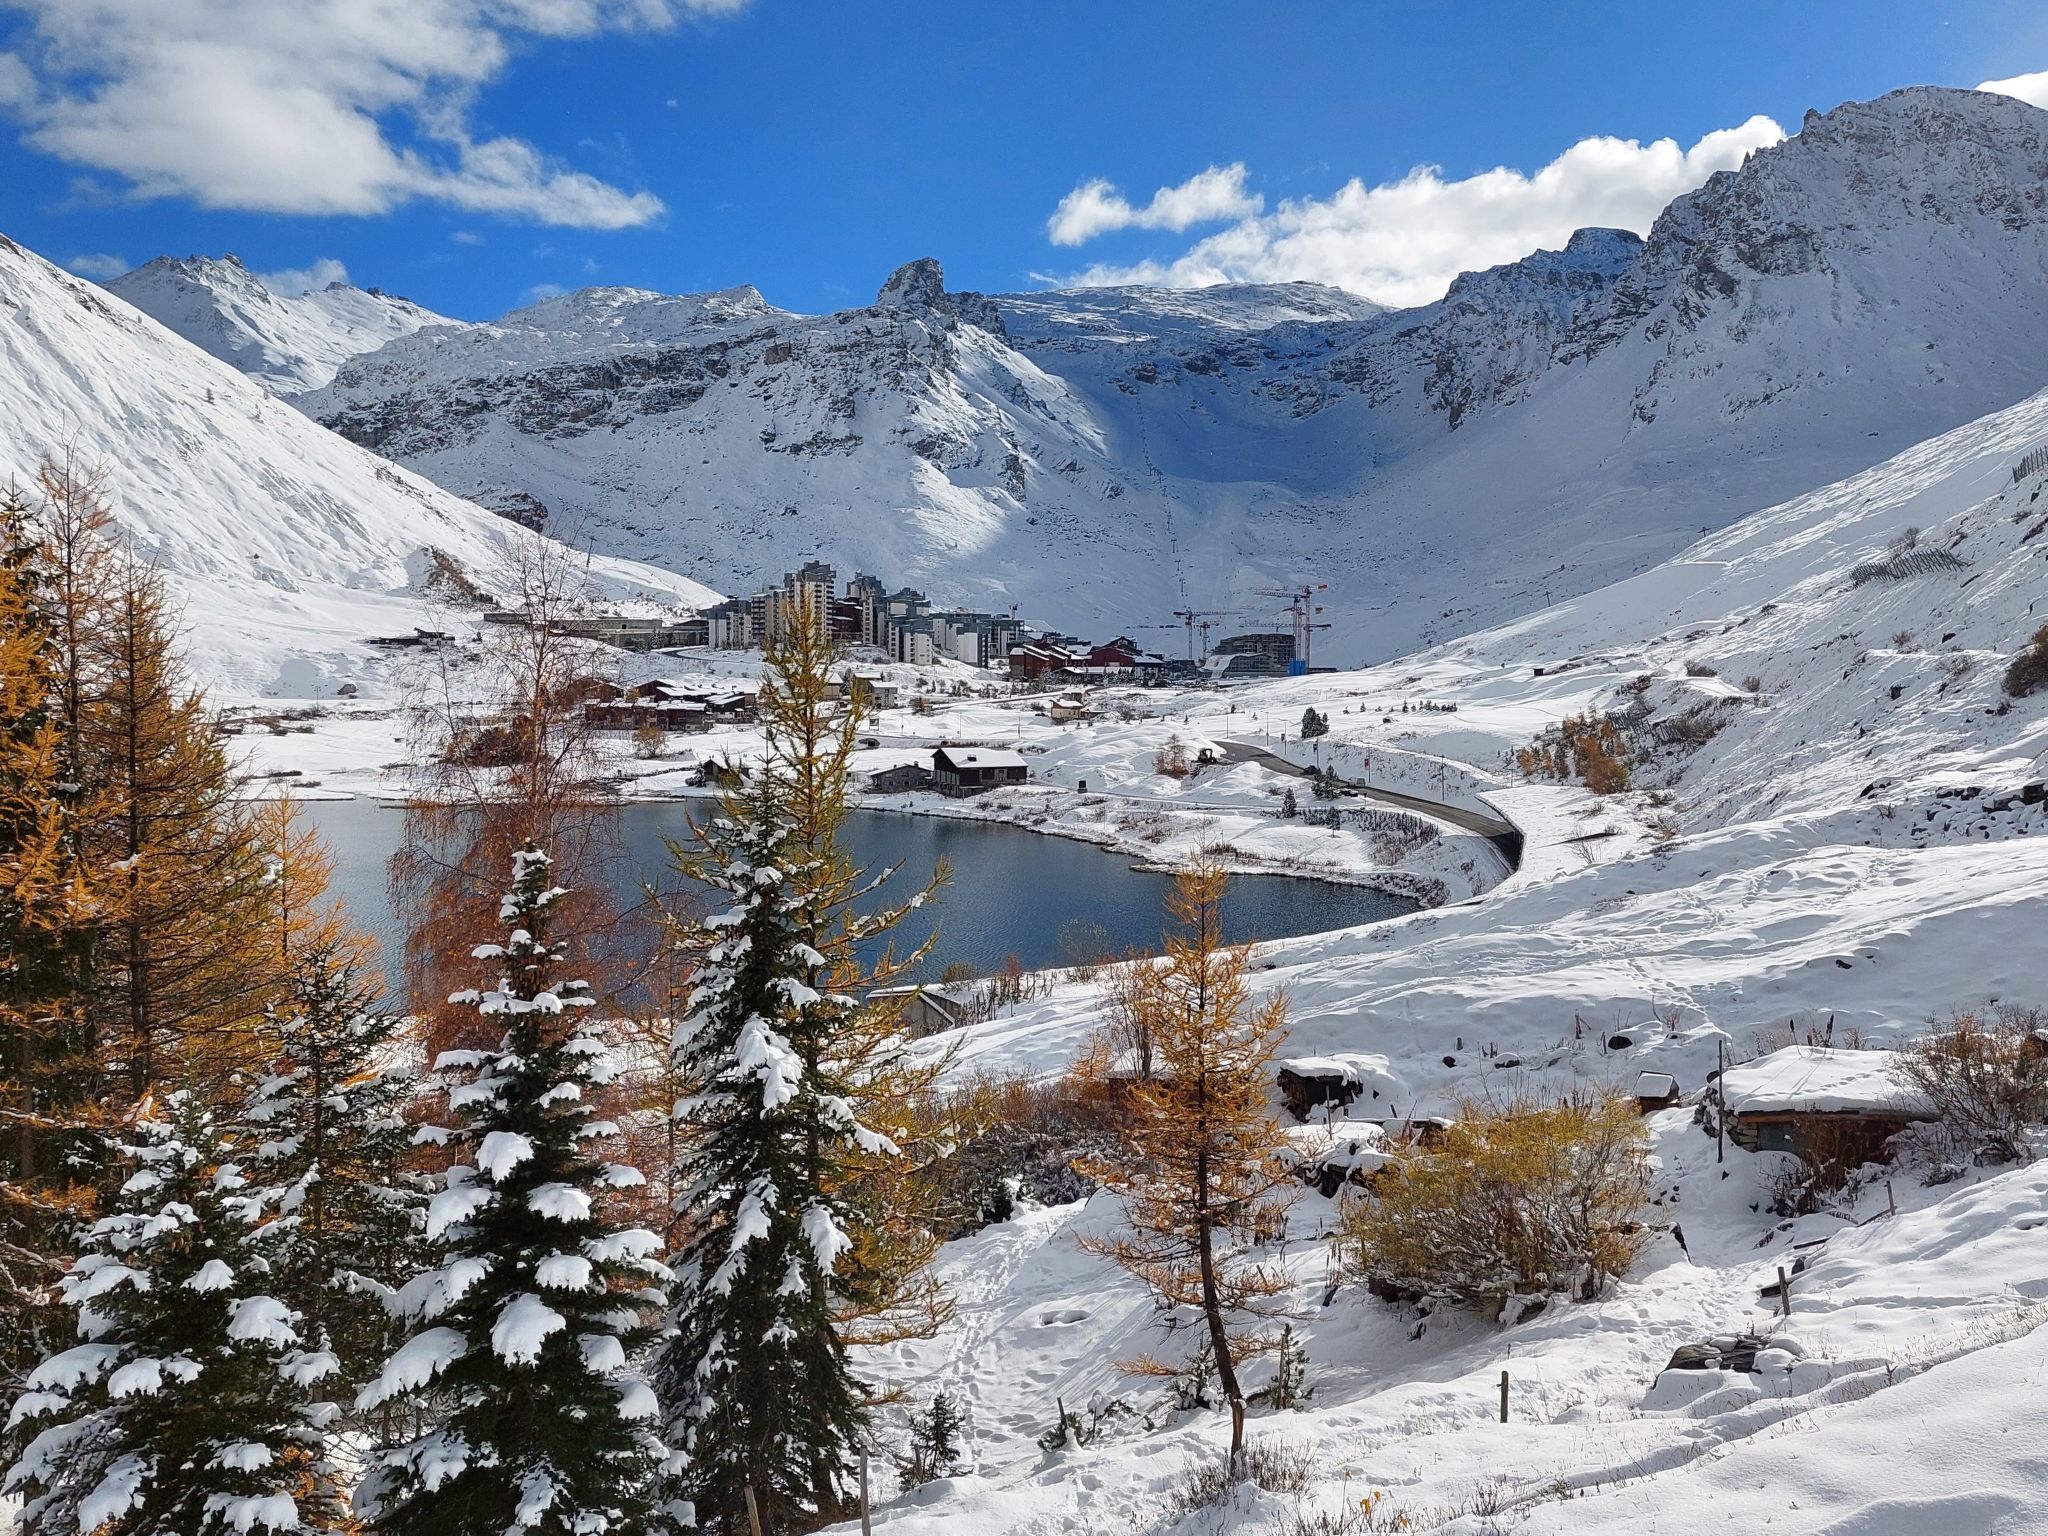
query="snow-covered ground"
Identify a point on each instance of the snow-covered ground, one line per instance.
(1854, 845)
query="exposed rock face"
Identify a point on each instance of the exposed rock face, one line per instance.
(921, 285)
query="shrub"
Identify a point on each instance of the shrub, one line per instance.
(1590, 747)
(1699, 669)
(2029, 670)
(1987, 1079)
(1029, 1136)
(1268, 1464)
(1513, 1200)
(1171, 760)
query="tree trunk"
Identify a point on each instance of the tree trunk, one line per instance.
(1212, 1312)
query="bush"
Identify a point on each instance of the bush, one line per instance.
(1514, 1200)
(1987, 1079)
(2029, 670)
(1030, 1136)
(1171, 760)
(1589, 746)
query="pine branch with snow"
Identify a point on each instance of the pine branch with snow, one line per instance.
(184, 1409)
(524, 1329)
(330, 1150)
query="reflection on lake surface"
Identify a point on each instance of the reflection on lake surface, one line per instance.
(1047, 900)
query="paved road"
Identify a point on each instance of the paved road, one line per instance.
(1494, 825)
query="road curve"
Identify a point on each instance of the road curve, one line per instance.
(1495, 826)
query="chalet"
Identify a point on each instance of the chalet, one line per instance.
(928, 1009)
(1068, 706)
(1832, 1108)
(959, 771)
(875, 688)
(1655, 1091)
(900, 779)
(633, 714)
(1308, 1083)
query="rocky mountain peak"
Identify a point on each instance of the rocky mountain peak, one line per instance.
(921, 285)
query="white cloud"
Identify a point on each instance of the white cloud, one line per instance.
(2030, 88)
(1097, 208)
(98, 265)
(293, 281)
(311, 106)
(1402, 242)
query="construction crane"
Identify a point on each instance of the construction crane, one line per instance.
(1192, 619)
(1302, 607)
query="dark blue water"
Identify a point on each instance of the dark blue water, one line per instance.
(1047, 900)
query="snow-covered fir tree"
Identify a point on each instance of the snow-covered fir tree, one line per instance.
(800, 1158)
(184, 1408)
(520, 1361)
(330, 1159)
(756, 1379)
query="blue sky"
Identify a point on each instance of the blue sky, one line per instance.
(469, 152)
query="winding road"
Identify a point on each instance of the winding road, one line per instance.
(1494, 827)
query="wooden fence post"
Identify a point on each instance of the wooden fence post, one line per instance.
(753, 1511)
(1503, 1397)
(865, 1528)
(1784, 1293)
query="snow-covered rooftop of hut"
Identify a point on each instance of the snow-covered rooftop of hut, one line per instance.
(1654, 1085)
(983, 757)
(1818, 1080)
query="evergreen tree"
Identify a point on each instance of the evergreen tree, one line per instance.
(934, 1443)
(184, 1410)
(1289, 806)
(1314, 724)
(526, 1325)
(805, 1159)
(1202, 1170)
(330, 1160)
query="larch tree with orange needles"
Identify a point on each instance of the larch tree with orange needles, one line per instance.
(1201, 1173)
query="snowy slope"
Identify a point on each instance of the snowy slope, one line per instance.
(289, 546)
(287, 343)
(1834, 856)
(1104, 457)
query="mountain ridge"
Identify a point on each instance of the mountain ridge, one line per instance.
(1104, 456)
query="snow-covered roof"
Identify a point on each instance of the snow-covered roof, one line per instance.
(983, 757)
(1364, 1068)
(1655, 1085)
(1818, 1079)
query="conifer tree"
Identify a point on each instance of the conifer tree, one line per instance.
(50, 905)
(184, 1409)
(1201, 1173)
(526, 1325)
(329, 1159)
(807, 1152)
(185, 967)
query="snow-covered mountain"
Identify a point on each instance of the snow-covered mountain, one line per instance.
(290, 547)
(286, 342)
(1103, 457)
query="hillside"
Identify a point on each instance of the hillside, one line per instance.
(1103, 457)
(286, 342)
(1822, 854)
(289, 547)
